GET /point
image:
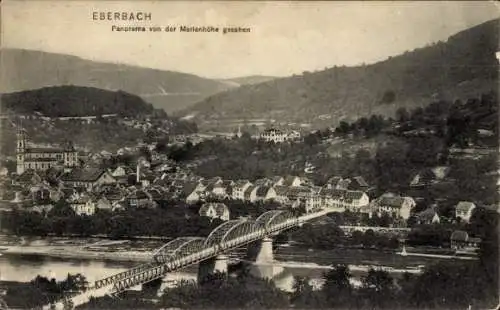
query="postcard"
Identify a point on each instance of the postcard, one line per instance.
(249, 154)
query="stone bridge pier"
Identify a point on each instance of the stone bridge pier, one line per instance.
(261, 254)
(213, 265)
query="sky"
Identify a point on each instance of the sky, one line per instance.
(285, 38)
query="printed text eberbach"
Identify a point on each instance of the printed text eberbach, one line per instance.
(131, 16)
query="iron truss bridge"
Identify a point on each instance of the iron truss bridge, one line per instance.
(186, 251)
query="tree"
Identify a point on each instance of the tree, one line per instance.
(388, 97)
(303, 295)
(378, 288)
(343, 128)
(337, 288)
(402, 115)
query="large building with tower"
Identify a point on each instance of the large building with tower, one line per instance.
(43, 158)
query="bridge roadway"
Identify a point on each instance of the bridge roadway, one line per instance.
(186, 251)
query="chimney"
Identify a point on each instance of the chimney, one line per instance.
(138, 172)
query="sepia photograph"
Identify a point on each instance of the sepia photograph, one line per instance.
(249, 154)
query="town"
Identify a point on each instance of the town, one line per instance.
(49, 177)
(152, 190)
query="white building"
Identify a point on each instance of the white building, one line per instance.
(274, 135)
(215, 210)
(464, 210)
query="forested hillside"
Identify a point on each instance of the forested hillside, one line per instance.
(74, 101)
(463, 66)
(169, 90)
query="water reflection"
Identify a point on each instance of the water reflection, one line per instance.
(25, 268)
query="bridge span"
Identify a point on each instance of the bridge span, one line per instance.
(209, 252)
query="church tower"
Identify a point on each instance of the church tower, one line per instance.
(20, 150)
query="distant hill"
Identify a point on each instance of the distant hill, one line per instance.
(248, 80)
(463, 66)
(74, 101)
(27, 69)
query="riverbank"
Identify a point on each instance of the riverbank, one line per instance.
(77, 253)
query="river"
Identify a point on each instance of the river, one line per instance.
(290, 261)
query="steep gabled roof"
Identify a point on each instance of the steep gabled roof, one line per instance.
(83, 175)
(459, 235)
(189, 187)
(220, 209)
(427, 215)
(360, 181)
(289, 179)
(28, 175)
(262, 182)
(344, 184)
(392, 202)
(334, 181)
(353, 195)
(333, 193)
(139, 194)
(249, 191)
(281, 190)
(241, 183)
(262, 191)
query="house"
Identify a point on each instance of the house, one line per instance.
(296, 192)
(220, 189)
(333, 182)
(40, 193)
(396, 206)
(428, 216)
(344, 184)
(29, 176)
(215, 210)
(358, 184)
(274, 135)
(139, 199)
(41, 208)
(147, 179)
(192, 192)
(251, 193)
(4, 171)
(119, 205)
(464, 209)
(310, 201)
(262, 182)
(104, 204)
(333, 198)
(87, 178)
(277, 181)
(265, 193)
(82, 204)
(294, 135)
(355, 200)
(239, 188)
(429, 176)
(21, 196)
(155, 194)
(460, 240)
(113, 195)
(292, 181)
(121, 171)
(281, 194)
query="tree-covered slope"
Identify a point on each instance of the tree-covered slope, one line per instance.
(74, 101)
(463, 66)
(169, 90)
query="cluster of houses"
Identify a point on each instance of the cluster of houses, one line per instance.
(148, 182)
(87, 189)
